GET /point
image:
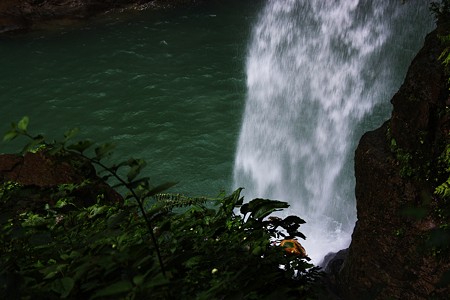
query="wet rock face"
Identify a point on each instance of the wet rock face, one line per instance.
(388, 258)
(383, 252)
(415, 117)
(41, 177)
(23, 15)
(332, 262)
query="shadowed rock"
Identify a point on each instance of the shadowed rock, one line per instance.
(388, 257)
(42, 175)
(24, 15)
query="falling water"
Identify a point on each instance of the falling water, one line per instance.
(315, 71)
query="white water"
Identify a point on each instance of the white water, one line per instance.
(315, 71)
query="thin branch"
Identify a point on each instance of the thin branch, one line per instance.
(141, 207)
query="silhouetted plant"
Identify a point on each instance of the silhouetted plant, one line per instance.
(154, 245)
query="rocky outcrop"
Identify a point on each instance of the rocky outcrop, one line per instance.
(394, 166)
(42, 178)
(23, 15)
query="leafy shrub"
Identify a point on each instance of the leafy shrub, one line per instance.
(153, 245)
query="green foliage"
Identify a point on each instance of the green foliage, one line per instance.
(101, 251)
(439, 238)
(443, 189)
(441, 11)
(403, 157)
(7, 187)
(153, 245)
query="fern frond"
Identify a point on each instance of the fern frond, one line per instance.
(443, 190)
(171, 201)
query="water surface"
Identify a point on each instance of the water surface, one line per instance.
(166, 86)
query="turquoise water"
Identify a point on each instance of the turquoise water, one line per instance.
(166, 86)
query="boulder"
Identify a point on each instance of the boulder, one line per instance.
(45, 178)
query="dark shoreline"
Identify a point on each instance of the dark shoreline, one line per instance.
(21, 16)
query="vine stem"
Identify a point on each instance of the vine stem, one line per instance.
(126, 184)
(141, 207)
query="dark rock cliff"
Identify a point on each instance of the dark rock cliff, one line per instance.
(23, 15)
(394, 167)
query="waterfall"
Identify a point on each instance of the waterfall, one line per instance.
(315, 71)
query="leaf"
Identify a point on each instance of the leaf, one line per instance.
(156, 281)
(299, 234)
(136, 166)
(120, 184)
(156, 210)
(63, 286)
(71, 133)
(55, 149)
(261, 208)
(106, 177)
(229, 203)
(23, 123)
(61, 203)
(118, 166)
(193, 262)
(97, 210)
(116, 219)
(288, 245)
(257, 250)
(235, 199)
(81, 146)
(141, 183)
(291, 224)
(10, 135)
(443, 190)
(114, 289)
(104, 150)
(82, 269)
(293, 219)
(138, 279)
